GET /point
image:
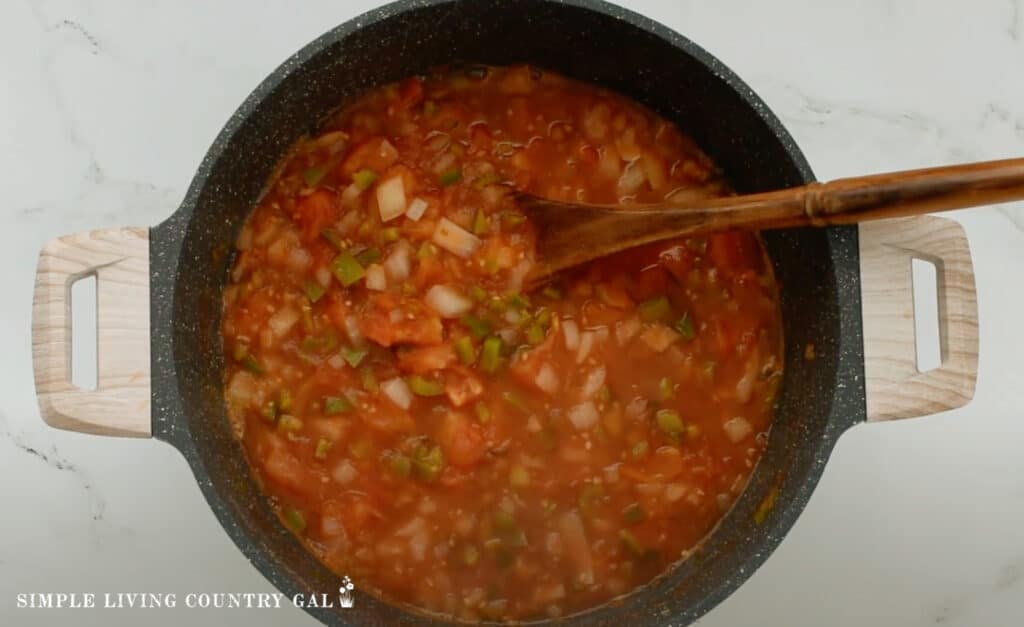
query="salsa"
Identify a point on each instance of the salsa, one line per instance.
(441, 436)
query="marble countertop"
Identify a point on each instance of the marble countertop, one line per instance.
(106, 109)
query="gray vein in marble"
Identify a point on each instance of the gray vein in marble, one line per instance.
(53, 459)
(133, 195)
(66, 24)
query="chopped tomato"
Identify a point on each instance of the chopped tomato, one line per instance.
(461, 439)
(390, 320)
(314, 212)
(426, 359)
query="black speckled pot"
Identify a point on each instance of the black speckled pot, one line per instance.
(588, 40)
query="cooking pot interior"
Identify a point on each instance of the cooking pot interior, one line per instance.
(595, 42)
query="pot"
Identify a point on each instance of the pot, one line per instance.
(845, 292)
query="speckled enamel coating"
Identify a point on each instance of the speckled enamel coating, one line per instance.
(593, 41)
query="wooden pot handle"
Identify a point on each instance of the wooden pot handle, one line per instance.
(120, 404)
(894, 387)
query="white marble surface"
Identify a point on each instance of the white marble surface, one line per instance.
(106, 109)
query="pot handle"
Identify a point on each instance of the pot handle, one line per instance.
(120, 404)
(894, 386)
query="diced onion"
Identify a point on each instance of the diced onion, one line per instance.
(398, 263)
(242, 389)
(512, 316)
(572, 334)
(447, 301)
(586, 343)
(659, 337)
(283, 320)
(411, 528)
(507, 335)
(674, 492)
(627, 329)
(352, 329)
(593, 382)
(391, 198)
(336, 361)
(632, 178)
(299, 259)
(344, 472)
(375, 278)
(636, 408)
(323, 276)
(454, 238)
(397, 390)
(611, 472)
(416, 209)
(737, 428)
(348, 197)
(547, 380)
(574, 538)
(583, 416)
(518, 274)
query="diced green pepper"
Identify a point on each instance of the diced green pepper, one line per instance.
(389, 234)
(464, 350)
(269, 411)
(314, 291)
(470, 555)
(477, 293)
(655, 310)
(369, 380)
(287, 422)
(353, 356)
(670, 423)
(685, 327)
(666, 390)
(347, 269)
(490, 355)
(478, 327)
(516, 401)
(284, 400)
(428, 461)
(294, 519)
(364, 178)
(249, 363)
(421, 386)
(427, 250)
(241, 351)
(503, 521)
(631, 543)
(368, 256)
(332, 238)
(633, 514)
(483, 412)
(450, 177)
(487, 179)
(515, 300)
(398, 463)
(480, 222)
(552, 292)
(323, 446)
(535, 334)
(519, 477)
(512, 218)
(337, 405)
(639, 450)
(320, 344)
(429, 108)
(604, 394)
(544, 318)
(313, 175)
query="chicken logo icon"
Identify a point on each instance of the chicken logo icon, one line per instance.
(345, 592)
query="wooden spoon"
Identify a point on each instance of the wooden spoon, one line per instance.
(569, 234)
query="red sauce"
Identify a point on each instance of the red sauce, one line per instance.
(449, 441)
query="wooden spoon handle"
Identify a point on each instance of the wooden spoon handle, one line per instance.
(913, 192)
